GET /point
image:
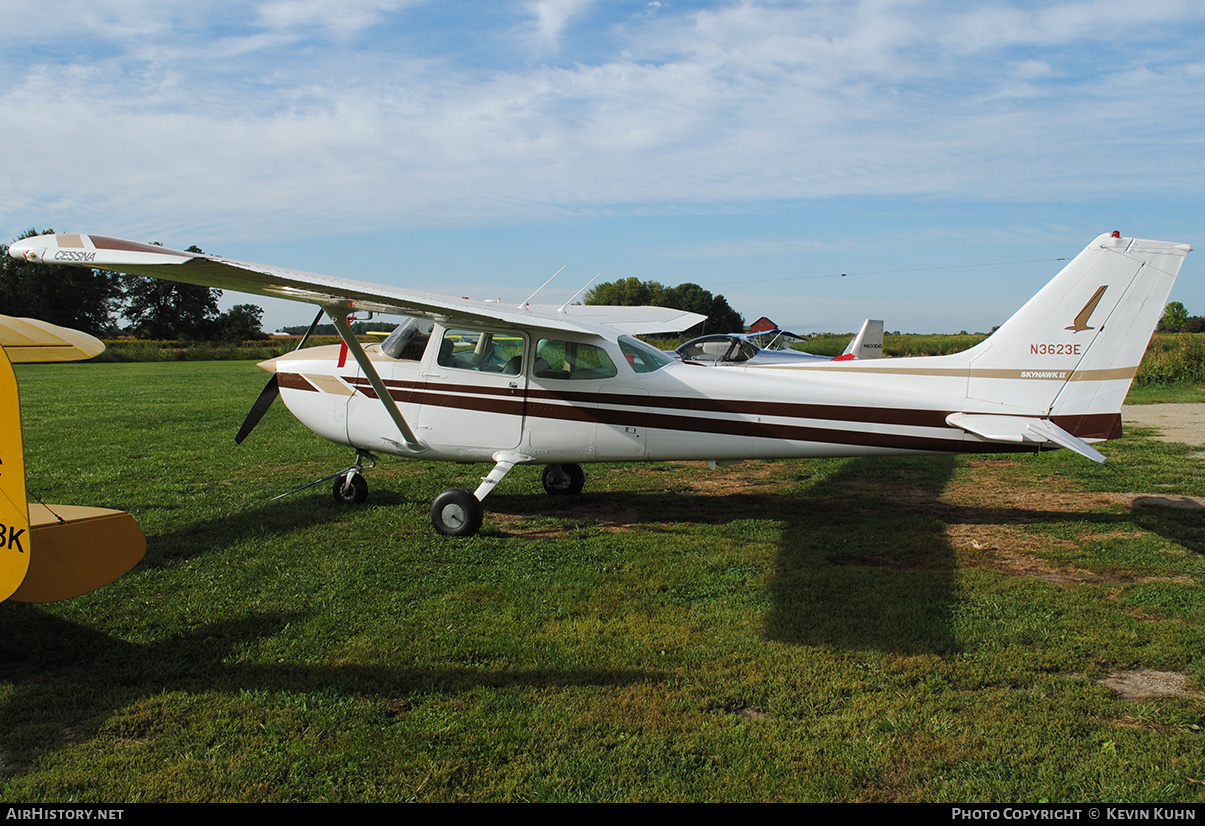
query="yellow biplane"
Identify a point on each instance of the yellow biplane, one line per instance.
(51, 552)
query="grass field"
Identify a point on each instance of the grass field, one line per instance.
(836, 630)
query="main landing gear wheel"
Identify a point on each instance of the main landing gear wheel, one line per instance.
(351, 489)
(563, 480)
(456, 513)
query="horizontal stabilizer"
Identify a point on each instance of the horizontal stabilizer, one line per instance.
(75, 550)
(1022, 429)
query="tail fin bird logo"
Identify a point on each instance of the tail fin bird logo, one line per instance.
(1081, 321)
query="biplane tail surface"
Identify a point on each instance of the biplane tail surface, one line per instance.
(51, 552)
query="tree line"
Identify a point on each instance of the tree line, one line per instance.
(632, 292)
(1177, 320)
(96, 302)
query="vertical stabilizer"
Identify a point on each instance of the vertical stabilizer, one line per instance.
(868, 343)
(14, 512)
(1073, 349)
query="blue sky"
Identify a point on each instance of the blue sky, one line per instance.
(943, 155)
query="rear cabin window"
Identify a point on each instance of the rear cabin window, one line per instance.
(484, 352)
(572, 361)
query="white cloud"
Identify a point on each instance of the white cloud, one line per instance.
(249, 128)
(340, 17)
(551, 17)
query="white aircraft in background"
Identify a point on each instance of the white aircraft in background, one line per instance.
(755, 349)
(561, 386)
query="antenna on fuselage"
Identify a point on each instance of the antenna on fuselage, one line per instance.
(542, 286)
(561, 308)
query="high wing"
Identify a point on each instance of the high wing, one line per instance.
(337, 295)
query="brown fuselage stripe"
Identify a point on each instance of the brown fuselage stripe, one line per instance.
(740, 407)
(295, 381)
(506, 402)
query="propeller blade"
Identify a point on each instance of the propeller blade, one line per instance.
(266, 397)
(310, 331)
(270, 392)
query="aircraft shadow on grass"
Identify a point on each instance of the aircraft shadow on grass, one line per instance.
(270, 519)
(69, 680)
(863, 563)
(855, 568)
(864, 560)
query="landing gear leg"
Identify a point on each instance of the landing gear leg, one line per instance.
(350, 487)
(457, 512)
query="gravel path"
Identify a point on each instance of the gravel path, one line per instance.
(1184, 423)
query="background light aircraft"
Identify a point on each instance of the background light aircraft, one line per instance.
(561, 386)
(774, 346)
(51, 552)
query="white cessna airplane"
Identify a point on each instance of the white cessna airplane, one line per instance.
(560, 386)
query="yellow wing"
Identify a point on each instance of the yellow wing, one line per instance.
(30, 340)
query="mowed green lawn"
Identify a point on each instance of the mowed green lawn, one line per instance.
(902, 629)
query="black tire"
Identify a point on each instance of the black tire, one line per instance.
(456, 512)
(563, 480)
(356, 495)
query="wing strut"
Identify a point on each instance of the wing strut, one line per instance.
(336, 315)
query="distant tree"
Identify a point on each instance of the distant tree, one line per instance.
(627, 292)
(69, 296)
(242, 322)
(632, 292)
(1195, 324)
(168, 310)
(360, 328)
(1175, 316)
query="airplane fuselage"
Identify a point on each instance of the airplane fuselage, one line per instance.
(566, 385)
(472, 407)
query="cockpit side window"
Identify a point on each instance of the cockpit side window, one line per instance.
(482, 351)
(644, 358)
(705, 350)
(571, 361)
(745, 351)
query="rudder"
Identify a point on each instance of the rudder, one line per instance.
(1071, 352)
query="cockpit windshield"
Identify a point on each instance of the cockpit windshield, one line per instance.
(408, 339)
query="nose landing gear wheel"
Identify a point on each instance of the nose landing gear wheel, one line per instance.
(456, 513)
(351, 489)
(563, 480)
